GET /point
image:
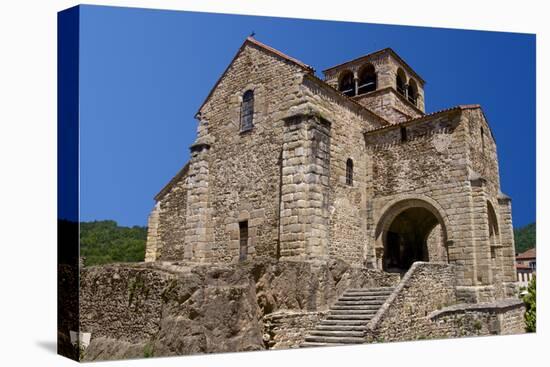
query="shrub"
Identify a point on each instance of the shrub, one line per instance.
(530, 300)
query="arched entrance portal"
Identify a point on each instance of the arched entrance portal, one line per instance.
(411, 231)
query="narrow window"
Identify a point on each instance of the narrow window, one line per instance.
(403, 133)
(482, 140)
(349, 172)
(247, 111)
(243, 237)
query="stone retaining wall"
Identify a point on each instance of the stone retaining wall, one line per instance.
(424, 306)
(287, 329)
(425, 288)
(497, 318)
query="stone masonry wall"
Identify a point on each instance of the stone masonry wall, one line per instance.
(494, 255)
(503, 317)
(199, 237)
(305, 188)
(431, 167)
(166, 238)
(437, 250)
(286, 329)
(425, 288)
(245, 166)
(346, 203)
(153, 248)
(434, 163)
(389, 104)
(424, 306)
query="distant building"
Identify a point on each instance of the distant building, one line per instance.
(526, 266)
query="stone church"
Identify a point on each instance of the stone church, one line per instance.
(291, 167)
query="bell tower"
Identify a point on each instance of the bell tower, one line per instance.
(382, 82)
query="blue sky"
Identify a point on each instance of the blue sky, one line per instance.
(144, 73)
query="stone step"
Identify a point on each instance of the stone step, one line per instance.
(326, 322)
(362, 298)
(370, 293)
(373, 296)
(335, 339)
(352, 312)
(314, 344)
(350, 317)
(355, 307)
(339, 327)
(370, 289)
(341, 333)
(376, 303)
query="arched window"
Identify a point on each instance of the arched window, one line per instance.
(412, 92)
(247, 110)
(367, 79)
(349, 172)
(400, 81)
(346, 83)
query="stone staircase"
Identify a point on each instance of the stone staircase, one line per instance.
(348, 317)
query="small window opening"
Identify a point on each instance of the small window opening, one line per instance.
(482, 140)
(347, 84)
(367, 80)
(247, 111)
(400, 82)
(403, 131)
(349, 172)
(243, 238)
(412, 92)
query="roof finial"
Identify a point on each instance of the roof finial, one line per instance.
(252, 34)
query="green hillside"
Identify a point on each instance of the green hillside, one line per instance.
(104, 242)
(525, 237)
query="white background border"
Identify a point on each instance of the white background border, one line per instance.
(28, 180)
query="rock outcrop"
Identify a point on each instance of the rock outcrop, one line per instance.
(165, 309)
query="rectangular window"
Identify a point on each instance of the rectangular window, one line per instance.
(243, 237)
(349, 172)
(247, 111)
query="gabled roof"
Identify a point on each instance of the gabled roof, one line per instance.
(279, 53)
(529, 254)
(407, 122)
(271, 50)
(375, 53)
(523, 267)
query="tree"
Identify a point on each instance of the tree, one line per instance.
(530, 300)
(104, 242)
(525, 237)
